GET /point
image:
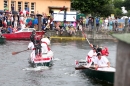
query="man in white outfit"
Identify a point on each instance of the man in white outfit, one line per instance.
(46, 51)
(101, 62)
(91, 57)
(31, 47)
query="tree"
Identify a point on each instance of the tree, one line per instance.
(118, 3)
(118, 12)
(128, 14)
(90, 6)
(127, 4)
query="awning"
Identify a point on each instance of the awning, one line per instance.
(55, 7)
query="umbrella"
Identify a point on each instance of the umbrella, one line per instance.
(14, 12)
(1, 11)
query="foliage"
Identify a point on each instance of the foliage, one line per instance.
(128, 14)
(118, 12)
(95, 7)
(127, 4)
(118, 3)
(107, 10)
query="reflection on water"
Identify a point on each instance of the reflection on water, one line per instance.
(15, 70)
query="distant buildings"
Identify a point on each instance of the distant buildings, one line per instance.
(35, 6)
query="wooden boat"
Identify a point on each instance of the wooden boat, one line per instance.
(2, 39)
(104, 74)
(23, 34)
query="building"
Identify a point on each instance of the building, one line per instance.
(34, 6)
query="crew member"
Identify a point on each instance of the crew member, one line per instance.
(45, 47)
(91, 57)
(31, 47)
(101, 62)
(38, 45)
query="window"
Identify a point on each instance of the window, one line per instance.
(5, 4)
(19, 6)
(13, 7)
(26, 5)
(32, 7)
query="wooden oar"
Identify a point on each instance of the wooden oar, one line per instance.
(85, 37)
(83, 33)
(14, 53)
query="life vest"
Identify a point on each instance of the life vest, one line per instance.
(47, 46)
(104, 51)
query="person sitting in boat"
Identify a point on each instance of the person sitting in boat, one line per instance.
(46, 51)
(101, 62)
(91, 57)
(104, 51)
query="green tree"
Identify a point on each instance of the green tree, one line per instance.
(127, 4)
(95, 7)
(118, 3)
(128, 14)
(118, 12)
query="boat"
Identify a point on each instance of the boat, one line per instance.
(23, 34)
(2, 39)
(104, 74)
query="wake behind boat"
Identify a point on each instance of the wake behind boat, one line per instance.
(104, 74)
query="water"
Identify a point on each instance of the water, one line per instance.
(15, 70)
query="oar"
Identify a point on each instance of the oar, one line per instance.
(14, 53)
(83, 33)
(85, 37)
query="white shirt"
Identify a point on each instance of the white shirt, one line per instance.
(91, 53)
(24, 12)
(102, 62)
(44, 48)
(31, 45)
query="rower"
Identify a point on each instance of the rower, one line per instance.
(31, 47)
(101, 62)
(91, 57)
(46, 51)
(104, 51)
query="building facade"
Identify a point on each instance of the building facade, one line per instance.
(35, 6)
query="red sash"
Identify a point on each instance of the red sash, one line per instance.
(89, 59)
(47, 46)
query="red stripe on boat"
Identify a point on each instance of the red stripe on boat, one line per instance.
(41, 59)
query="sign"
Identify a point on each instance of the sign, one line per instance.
(60, 16)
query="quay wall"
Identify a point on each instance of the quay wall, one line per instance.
(79, 35)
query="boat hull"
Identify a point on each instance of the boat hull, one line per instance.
(48, 64)
(21, 35)
(104, 75)
(2, 39)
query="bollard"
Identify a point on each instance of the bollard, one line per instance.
(122, 75)
(39, 22)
